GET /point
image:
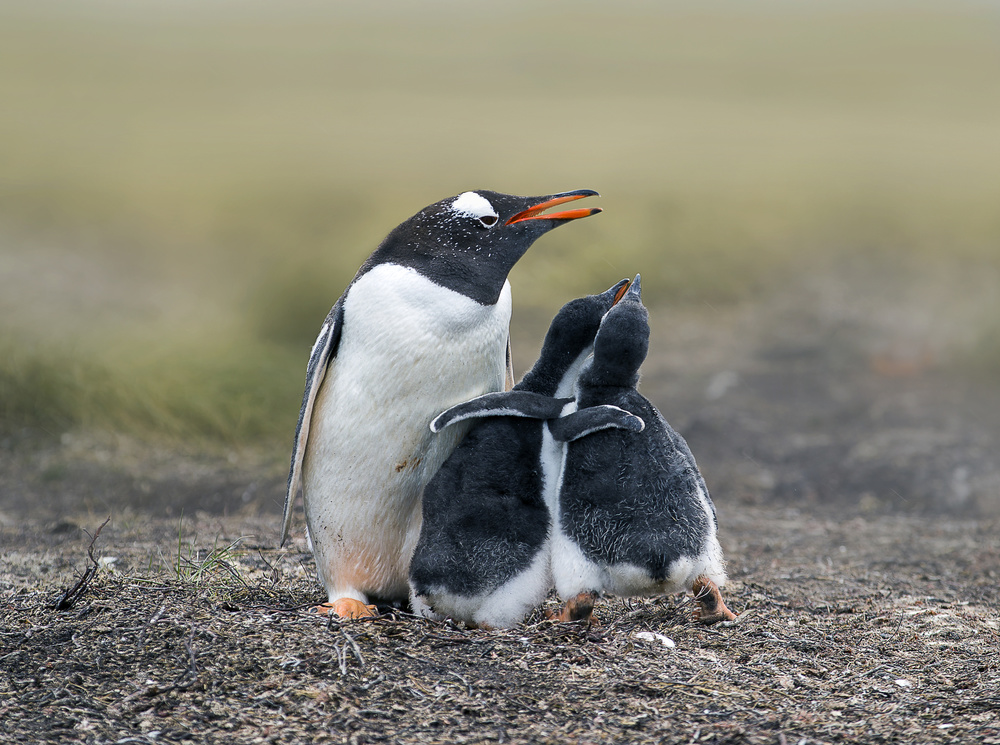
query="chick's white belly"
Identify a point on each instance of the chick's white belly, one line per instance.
(370, 450)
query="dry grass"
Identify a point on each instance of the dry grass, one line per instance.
(846, 634)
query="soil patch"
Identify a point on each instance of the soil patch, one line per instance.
(879, 629)
(853, 466)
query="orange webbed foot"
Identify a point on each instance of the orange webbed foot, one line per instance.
(347, 608)
(709, 606)
(577, 608)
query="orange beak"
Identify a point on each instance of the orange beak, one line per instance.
(621, 292)
(535, 212)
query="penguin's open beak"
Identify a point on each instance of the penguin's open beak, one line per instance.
(621, 291)
(535, 211)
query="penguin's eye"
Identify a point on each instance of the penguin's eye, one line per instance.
(488, 220)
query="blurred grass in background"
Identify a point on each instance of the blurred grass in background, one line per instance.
(186, 188)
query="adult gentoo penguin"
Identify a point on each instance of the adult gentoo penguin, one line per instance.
(423, 325)
(634, 515)
(482, 557)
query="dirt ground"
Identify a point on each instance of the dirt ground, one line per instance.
(853, 467)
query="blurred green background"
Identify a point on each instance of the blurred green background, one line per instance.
(186, 187)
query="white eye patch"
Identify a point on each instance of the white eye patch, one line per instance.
(471, 204)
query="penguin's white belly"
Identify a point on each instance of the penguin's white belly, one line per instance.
(409, 349)
(501, 608)
(575, 573)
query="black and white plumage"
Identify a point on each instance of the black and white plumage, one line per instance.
(634, 515)
(482, 557)
(422, 326)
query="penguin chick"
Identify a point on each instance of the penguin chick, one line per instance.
(482, 557)
(634, 515)
(422, 326)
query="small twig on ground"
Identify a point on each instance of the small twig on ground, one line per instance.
(189, 677)
(69, 598)
(151, 622)
(355, 648)
(468, 687)
(275, 576)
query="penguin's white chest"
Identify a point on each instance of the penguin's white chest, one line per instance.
(409, 349)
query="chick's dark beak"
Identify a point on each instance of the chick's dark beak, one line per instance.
(635, 289)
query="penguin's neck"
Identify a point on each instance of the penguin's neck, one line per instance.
(607, 378)
(552, 377)
(479, 276)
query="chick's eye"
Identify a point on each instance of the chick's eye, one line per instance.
(488, 220)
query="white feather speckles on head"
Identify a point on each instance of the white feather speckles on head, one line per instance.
(470, 204)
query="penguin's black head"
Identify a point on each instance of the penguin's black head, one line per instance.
(570, 338)
(622, 341)
(469, 243)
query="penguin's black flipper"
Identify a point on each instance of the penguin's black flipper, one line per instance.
(323, 351)
(593, 419)
(508, 382)
(508, 403)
